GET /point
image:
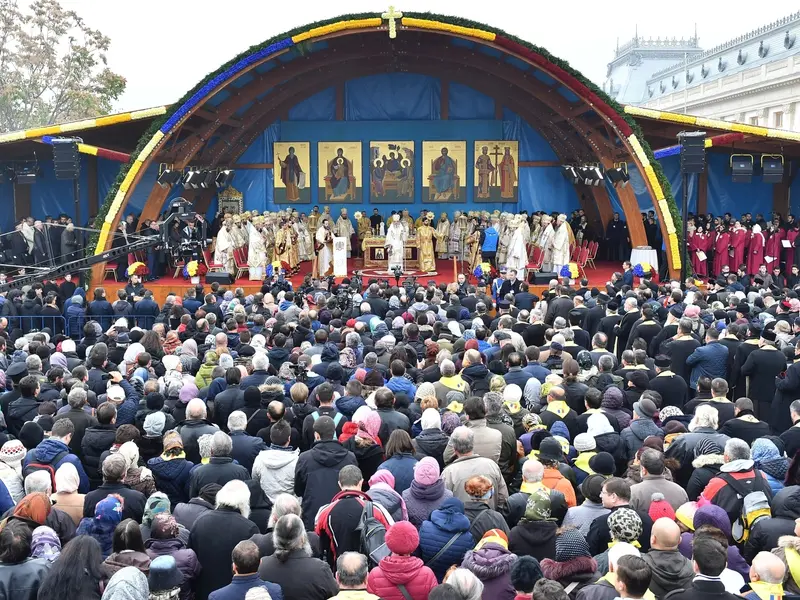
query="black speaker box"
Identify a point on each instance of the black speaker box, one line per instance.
(541, 278)
(221, 277)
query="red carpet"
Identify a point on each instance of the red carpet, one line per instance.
(444, 268)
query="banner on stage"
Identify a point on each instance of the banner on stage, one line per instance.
(292, 162)
(496, 170)
(339, 257)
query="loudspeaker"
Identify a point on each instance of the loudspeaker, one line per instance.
(221, 277)
(541, 278)
(693, 152)
(742, 168)
(65, 160)
(772, 167)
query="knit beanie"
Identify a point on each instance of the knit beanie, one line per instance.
(584, 442)
(571, 544)
(706, 446)
(154, 424)
(592, 486)
(164, 574)
(12, 452)
(660, 508)
(426, 471)
(624, 525)
(154, 401)
(402, 538)
(685, 514)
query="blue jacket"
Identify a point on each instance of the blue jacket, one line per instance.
(627, 277)
(246, 448)
(102, 312)
(47, 450)
(710, 360)
(401, 385)
(347, 405)
(436, 532)
(402, 467)
(146, 311)
(172, 477)
(6, 501)
(241, 584)
(76, 318)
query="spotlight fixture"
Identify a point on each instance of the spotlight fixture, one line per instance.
(225, 177)
(772, 168)
(168, 176)
(192, 179)
(619, 174)
(742, 168)
(25, 172)
(591, 175)
(570, 173)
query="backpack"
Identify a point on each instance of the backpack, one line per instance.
(45, 466)
(336, 418)
(755, 505)
(372, 535)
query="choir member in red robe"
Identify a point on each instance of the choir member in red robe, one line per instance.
(697, 243)
(739, 238)
(721, 242)
(791, 236)
(773, 247)
(755, 252)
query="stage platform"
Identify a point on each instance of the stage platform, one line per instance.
(444, 273)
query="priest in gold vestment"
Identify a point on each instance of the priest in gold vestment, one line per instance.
(425, 240)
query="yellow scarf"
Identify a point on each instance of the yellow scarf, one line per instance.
(633, 543)
(793, 560)
(558, 407)
(767, 591)
(582, 462)
(529, 488)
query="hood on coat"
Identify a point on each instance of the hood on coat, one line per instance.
(491, 561)
(583, 565)
(401, 569)
(449, 521)
(789, 508)
(278, 459)
(49, 449)
(669, 566)
(328, 453)
(708, 460)
(643, 428)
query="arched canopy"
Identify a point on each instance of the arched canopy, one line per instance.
(217, 121)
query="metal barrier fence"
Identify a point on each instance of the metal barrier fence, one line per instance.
(72, 326)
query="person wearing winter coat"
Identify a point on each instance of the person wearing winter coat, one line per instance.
(641, 427)
(427, 491)
(573, 566)
(487, 441)
(446, 523)
(245, 448)
(787, 545)
(765, 533)
(401, 567)
(193, 427)
(769, 461)
(617, 496)
(186, 513)
(586, 447)
(482, 518)
(655, 482)
(382, 491)
(164, 541)
(55, 451)
(606, 439)
(171, 470)
(97, 439)
(362, 440)
(581, 516)
(613, 403)
(670, 569)
(708, 458)
(535, 535)
(274, 468)
(711, 514)
(400, 459)
(744, 424)
(11, 455)
(216, 533)
(431, 441)
(704, 425)
(491, 563)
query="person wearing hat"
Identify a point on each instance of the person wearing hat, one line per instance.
(573, 566)
(401, 568)
(164, 578)
(446, 523)
(586, 446)
(581, 516)
(673, 389)
(535, 535)
(491, 563)
(11, 455)
(642, 426)
(550, 455)
(762, 367)
(172, 470)
(636, 382)
(616, 496)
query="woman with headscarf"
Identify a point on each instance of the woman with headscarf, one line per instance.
(711, 514)
(431, 440)
(769, 461)
(535, 535)
(171, 470)
(444, 538)
(491, 562)
(78, 574)
(171, 343)
(130, 358)
(11, 455)
(158, 504)
(136, 477)
(188, 354)
(66, 496)
(381, 490)
(365, 443)
(45, 544)
(128, 549)
(166, 541)
(107, 515)
(624, 525)
(606, 439)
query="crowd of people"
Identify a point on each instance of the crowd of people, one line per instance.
(440, 441)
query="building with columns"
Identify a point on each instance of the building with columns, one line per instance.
(752, 79)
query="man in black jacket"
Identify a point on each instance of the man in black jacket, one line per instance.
(595, 314)
(220, 468)
(616, 494)
(114, 469)
(744, 425)
(316, 477)
(623, 330)
(559, 306)
(378, 306)
(230, 399)
(98, 439)
(709, 559)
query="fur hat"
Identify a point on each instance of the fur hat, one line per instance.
(164, 574)
(426, 471)
(602, 463)
(402, 538)
(660, 508)
(571, 544)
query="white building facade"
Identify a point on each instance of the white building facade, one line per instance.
(753, 79)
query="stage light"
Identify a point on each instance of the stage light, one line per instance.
(619, 175)
(168, 176)
(210, 179)
(570, 173)
(225, 177)
(742, 168)
(591, 175)
(192, 179)
(25, 173)
(772, 168)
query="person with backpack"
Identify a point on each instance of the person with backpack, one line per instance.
(52, 452)
(740, 489)
(351, 522)
(326, 409)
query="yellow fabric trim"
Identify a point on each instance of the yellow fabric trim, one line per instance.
(87, 149)
(339, 26)
(767, 591)
(148, 112)
(157, 137)
(85, 124)
(558, 407)
(529, 488)
(643, 112)
(112, 119)
(40, 131)
(103, 237)
(14, 136)
(582, 462)
(456, 29)
(793, 560)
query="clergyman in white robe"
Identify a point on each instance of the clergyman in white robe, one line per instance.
(395, 242)
(560, 247)
(325, 256)
(517, 250)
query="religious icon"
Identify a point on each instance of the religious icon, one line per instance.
(391, 172)
(496, 170)
(339, 171)
(380, 254)
(444, 164)
(292, 166)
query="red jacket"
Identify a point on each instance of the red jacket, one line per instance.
(410, 571)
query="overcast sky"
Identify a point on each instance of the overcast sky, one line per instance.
(164, 47)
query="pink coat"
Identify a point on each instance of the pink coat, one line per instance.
(410, 571)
